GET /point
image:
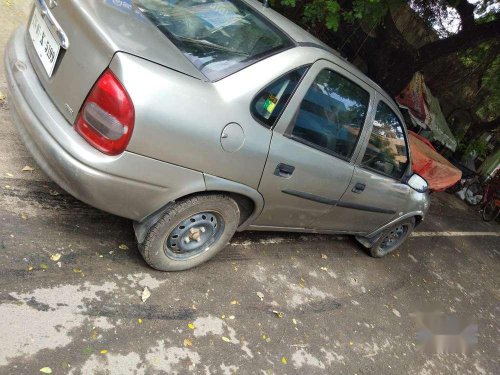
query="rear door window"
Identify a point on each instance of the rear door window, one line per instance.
(270, 102)
(332, 114)
(387, 150)
(219, 37)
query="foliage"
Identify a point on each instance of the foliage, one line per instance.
(331, 12)
(477, 147)
(490, 108)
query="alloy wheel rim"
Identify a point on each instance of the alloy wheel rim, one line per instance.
(194, 235)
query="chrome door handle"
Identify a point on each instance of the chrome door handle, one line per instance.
(47, 14)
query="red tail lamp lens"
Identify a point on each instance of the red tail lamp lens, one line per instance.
(106, 119)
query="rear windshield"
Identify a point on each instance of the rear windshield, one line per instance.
(219, 37)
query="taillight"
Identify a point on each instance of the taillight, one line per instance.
(106, 119)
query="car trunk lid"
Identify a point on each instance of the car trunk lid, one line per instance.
(95, 31)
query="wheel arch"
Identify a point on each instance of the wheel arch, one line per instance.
(368, 240)
(249, 200)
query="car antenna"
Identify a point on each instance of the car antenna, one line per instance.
(265, 3)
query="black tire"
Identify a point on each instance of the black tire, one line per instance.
(474, 194)
(490, 211)
(381, 248)
(157, 248)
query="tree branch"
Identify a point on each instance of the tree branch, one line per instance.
(466, 12)
(459, 42)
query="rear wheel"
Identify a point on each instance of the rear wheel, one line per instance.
(191, 232)
(392, 238)
(490, 211)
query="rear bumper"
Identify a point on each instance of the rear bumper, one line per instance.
(128, 185)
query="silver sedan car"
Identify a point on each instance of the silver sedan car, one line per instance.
(198, 118)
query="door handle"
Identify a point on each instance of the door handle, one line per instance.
(358, 188)
(284, 170)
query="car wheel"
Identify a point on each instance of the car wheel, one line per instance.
(490, 211)
(392, 238)
(190, 232)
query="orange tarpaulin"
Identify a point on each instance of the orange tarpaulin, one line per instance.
(428, 163)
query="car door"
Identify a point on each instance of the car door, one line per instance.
(310, 162)
(376, 193)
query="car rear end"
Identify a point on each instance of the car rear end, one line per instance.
(75, 115)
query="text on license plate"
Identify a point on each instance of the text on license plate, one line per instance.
(46, 46)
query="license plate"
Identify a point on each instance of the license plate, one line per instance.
(45, 44)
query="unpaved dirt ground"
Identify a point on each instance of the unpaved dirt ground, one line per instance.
(340, 310)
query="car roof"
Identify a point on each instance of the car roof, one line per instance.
(303, 38)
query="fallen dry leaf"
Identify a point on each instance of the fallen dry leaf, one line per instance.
(123, 247)
(324, 269)
(55, 257)
(145, 294)
(43, 266)
(226, 339)
(302, 283)
(27, 168)
(188, 342)
(191, 326)
(104, 351)
(46, 370)
(2, 95)
(323, 256)
(234, 302)
(53, 193)
(77, 270)
(30, 268)
(9, 174)
(283, 360)
(279, 314)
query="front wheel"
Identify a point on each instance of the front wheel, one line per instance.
(191, 232)
(392, 238)
(490, 211)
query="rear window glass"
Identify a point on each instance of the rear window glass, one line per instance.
(332, 114)
(219, 37)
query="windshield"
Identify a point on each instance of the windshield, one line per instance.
(219, 37)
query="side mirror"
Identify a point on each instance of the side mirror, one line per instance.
(418, 183)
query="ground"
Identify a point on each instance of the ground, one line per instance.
(72, 280)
